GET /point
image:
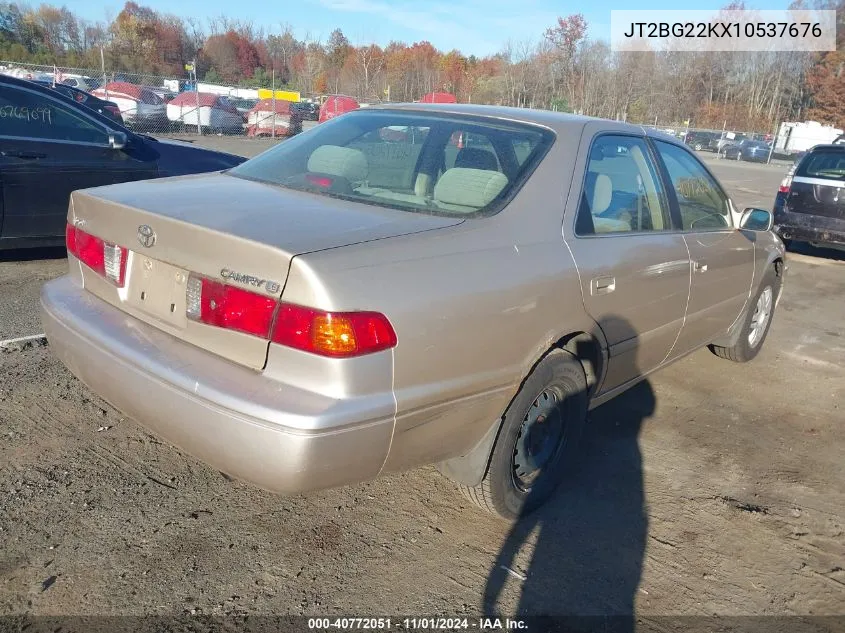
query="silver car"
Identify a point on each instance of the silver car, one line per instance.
(406, 285)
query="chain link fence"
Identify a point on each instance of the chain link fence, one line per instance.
(783, 144)
(156, 104)
(162, 105)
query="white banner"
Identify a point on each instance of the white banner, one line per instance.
(723, 30)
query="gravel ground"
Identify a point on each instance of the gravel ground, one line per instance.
(712, 488)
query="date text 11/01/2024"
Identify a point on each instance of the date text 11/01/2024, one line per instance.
(416, 624)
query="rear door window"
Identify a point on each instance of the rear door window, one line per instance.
(32, 115)
(622, 192)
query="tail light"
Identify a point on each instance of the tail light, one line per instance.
(333, 334)
(785, 185)
(228, 307)
(337, 334)
(113, 109)
(106, 259)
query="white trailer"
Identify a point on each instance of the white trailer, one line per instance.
(799, 137)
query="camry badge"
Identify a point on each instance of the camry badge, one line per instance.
(146, 235)
(268, 284)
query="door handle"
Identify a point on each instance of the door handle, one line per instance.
(603, 285)
(700, 267)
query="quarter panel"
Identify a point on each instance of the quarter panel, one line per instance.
(474, 307)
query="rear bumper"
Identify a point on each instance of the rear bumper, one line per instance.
(802, 227)
(273, 435)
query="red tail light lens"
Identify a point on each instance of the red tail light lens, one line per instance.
(785, 185)
(217, 304)
(335, 334)
(106, 259)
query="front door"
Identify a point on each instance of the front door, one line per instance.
(722, 256)
(634, 268)
(49, 148)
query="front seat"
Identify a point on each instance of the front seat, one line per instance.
(475, 158)
(598, 191)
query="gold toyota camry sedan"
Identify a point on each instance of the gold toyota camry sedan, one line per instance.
(406, 285)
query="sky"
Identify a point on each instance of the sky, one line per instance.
(475, 27)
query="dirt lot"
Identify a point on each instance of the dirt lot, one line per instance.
(713, 488)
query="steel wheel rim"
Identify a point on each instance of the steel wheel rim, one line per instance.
(540, 439)
(760, 318)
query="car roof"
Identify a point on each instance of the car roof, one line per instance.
(557, 121)
(838, 147)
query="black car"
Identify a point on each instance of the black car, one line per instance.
(810, 206)
(700, 140)
(51, 145)
(306, 110)
(754, 151)
(108, 109)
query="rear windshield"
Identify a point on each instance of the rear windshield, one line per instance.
(425, 163)
(823, 164)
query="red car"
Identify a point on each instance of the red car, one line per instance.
(335, 105)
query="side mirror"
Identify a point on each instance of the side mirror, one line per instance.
(756, 220)
(117, 140)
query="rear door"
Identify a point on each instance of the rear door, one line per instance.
(48, 148)
(634, 267)
(818, 187)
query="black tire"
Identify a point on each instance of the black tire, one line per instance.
(501, 491)
(743, 350)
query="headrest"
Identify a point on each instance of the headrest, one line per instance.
(476, 158)
(474, 188)
(343, 162)
(602, 194)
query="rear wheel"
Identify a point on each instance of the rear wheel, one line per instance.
(537, 444)
(757, 321)
(697, 147)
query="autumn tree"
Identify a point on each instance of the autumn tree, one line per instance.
(565, 37)
(337, 53)
(825, 81)
(231, 56)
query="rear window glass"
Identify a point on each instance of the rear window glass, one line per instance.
(436, 164)
(823, 164)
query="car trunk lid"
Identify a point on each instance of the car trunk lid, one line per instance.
(223, 228)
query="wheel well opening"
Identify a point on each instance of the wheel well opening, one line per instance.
(588, 351)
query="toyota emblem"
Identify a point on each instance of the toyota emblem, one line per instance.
(146, 235)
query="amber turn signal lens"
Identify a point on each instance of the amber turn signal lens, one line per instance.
(334, 335)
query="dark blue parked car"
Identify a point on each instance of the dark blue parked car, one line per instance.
(747, 149)
(51, 145)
